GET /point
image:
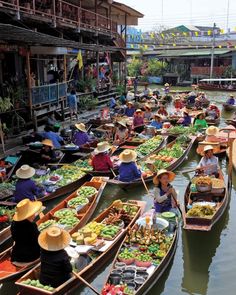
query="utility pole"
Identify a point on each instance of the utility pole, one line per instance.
(212, 50)
(227, 19)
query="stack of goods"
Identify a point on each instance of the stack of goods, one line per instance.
(5, 217)
(83, 165)
(201, 184)
(37, 284)
(66, 218)
(6, 189)
(182, 130)
(149, 146)
(202, 211)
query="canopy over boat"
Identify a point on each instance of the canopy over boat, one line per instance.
(219, 80)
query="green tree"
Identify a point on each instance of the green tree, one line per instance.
(156, 67)
(134, 67)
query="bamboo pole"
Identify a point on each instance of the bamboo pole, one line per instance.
(86, 283)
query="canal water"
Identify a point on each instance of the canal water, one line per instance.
(205, 263)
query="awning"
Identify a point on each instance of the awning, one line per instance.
(190, 52)
(122, 13)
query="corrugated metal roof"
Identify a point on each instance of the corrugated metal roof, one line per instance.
(192, 52)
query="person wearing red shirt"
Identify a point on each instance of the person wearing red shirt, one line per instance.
(101, 161)
(178, 104)
(138, 121)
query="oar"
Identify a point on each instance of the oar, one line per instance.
(112, 171)
(86, 283)
(144, 184)
(194, 169)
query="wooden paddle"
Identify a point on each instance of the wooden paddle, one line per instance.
(144, 184)
(112, 171)
(194, 169)
(86, 283)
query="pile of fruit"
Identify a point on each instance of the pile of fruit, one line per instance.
(205, 211)
(86, 191)
(181, 130)
(65, 212)
(77, 202)
(119, 289)
(46, 224)
(109, 232)
(37, 284)
(149, 146)
(84, 237)
(94, 227)
(203, 181)
(69, 174)
(6, 189)
(83, 164)
(6, 217)
(68, 222)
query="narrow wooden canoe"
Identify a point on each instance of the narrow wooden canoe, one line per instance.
(83, 215)
(218, 149)
(229, 107)
(231, 122)
(92, 268)
(155, 275)
(213, 122)
(174, 165)
(202, 223)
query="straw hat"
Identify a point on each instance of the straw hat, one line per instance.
(54, 239)
(130, 102)
(102, 147)
(167, 84)
(147, 106)
(47, 142)
(26, 209)
(110, 125)
(81, 127)
(157, 116)
(122, 123)
(208, 148)
(212, 130)
(231, 95)
(177, 98)
(138, 111)
(201, 113)
(163, 171)
(25, 172)
(128, 156)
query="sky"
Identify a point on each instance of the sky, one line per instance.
(177, 12)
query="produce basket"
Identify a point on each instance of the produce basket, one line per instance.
(203, 188)
(218, 186)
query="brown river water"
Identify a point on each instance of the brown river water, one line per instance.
(204, 263)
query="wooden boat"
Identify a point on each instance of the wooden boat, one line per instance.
(11, 167)
(219, 149)
(84, 214)
(214, 122)
(155, 272)
(172, 166)
(229, 107)
(233, 155)
(221, 198)
(93, 266)
(231, 122)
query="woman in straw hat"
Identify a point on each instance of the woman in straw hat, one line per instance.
(200, 122)
(122, 132)
(128, 170)
(186, 120)
(231, 100)
(209, 164)
(26, 188)
(25, 232)
(130, 110)
(55, 263)
(211, 133)
(157, 121)
(56, 139)
(147, 114)
(81, 136)
(178, 104)
(138, 121)
(162, 111)
(101, 161)
(212, 112)
(165, 195)
(47, 152)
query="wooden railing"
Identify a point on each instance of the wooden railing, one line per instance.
(217, 71)
(60, 11)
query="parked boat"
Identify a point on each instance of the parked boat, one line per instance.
(217, 84)
(214, 122)
(92, 265)
(219, 148)
(142, 239)
(229, 107)
(209, 204)
(9, 272)
(8, 166)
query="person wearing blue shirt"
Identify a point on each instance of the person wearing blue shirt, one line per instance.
(53, 136)
(231, 100)
(130, 110)
(191, 98)
(128, 170)
(123, 99)
(72, 104)
(112, 102)
(187, 120)
(157, 123)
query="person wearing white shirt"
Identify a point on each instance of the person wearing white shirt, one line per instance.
(209, 163)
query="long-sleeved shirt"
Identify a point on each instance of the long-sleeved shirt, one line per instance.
(200, 124)
(231, 101)
(129, 172)
(25, 235)
(102, 162)
(54, 137)
(55, 267)
(186, 121)
(138, 121)
(213, 161)
(129, 112)
(25, 189)
(80, 138)
(157, 125)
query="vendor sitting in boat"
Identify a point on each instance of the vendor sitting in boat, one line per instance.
(55, 267)
(167, 88)
(165, 196)
(231, 100)
(211, 133)
(186, 120)
(178, 104)
(157, 122)
(25, 233)
(138, 121)
(209, 163)
(162, 111)
(147, 114)
(212, 112)
(101, 161)
(25, 186)
(56, 139)
(47, 153)
(130, 110)
(128, 170)
(81, 136)
(122, 132)
(200, 122)
(191, 98)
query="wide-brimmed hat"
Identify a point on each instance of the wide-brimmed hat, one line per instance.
(47, 142)
(208, 148)
(157, 116)
(231, 95)
(102, 147)
(138, 111)
(167, 84)
(163, 171)
(122, 123)
(26, 209)
(212, 130)
(25, 172)
(81, 127)
(130, 102)
(128, 156)
(54, 239)
(178, 98)
(201, 113)
(147, 106)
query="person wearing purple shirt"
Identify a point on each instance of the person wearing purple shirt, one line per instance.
(187, 120)
(25, 186)
(128, 170)
(80, 137)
